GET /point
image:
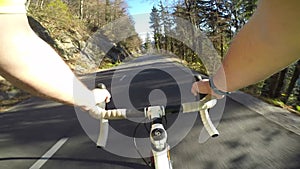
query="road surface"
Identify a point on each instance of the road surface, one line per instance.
(38, 128)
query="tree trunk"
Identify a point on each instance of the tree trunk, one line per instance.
(107, 11)
(81, 10)
(222, 46)
(36, 4)
(98, 14)
(270, 85)
(27, 4)
(279, 83)
(42, 4)
(292, 84)
(191, 15)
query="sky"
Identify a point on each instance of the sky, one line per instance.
(139, 6)
(140, 10)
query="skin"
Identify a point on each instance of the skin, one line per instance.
(32, 65)
(268, 43)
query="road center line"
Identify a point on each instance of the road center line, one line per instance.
(123, 78)
(39, 163)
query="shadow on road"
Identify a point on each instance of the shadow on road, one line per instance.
(36, 124)
(85, 160)
(247, 139)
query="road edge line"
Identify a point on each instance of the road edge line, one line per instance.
(39, 163)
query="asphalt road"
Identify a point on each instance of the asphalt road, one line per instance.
(247, 139)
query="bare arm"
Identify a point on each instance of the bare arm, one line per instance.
(31, 64)
(265, 45)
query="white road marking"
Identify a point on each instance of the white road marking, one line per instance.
(39, 163)
(123, 78)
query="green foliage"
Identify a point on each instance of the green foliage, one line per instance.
(64, 23)
(59, 12)
(255, 89)
(57, 18)
(275, 102)
(279, 103)
(220, 20)
(155, 22)
(298, 108)
(283, 85)
(147, 45)
(108, 65)
(197, 66)
(215, 18)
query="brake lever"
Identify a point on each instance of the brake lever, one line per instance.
(104, 125)
(210, 130)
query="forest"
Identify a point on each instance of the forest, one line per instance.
(77, 21)
(67, 26)
(220, 21)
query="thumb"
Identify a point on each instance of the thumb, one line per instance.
(101, 95)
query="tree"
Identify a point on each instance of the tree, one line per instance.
(27, 4)
(241, 11)
(147, 44)
(155, 22)
(81, 9)
(214, 20)
(292, 84)
(273, 86)
(220, 20)
(107, 11)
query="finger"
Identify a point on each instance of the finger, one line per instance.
(195, 89)
(95, 112)
(107, 100)
(108, 97)
(102, 95)
(194, 92)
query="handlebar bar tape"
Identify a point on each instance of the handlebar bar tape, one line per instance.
(210, 128)
(116, 114)
(103, 134)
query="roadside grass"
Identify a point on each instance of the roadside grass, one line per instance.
(109, 65)
(8, 103)
(279, 103)
(10, 95)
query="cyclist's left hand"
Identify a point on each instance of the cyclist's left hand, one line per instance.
(96, 112)
(101, 95)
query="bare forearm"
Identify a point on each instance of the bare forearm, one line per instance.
(31, 64)
(267, 44)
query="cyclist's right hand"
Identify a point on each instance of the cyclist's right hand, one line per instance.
(203, 87)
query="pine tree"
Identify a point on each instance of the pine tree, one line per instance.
(155, 22)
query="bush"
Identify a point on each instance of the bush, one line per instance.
(59, 12)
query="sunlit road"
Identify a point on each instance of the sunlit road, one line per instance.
(247, 139)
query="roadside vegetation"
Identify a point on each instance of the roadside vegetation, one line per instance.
(219, 20)
(10, 95)
(66, 26)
